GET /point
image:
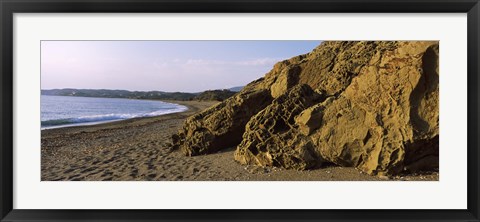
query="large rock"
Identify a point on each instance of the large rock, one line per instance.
(331, 66)
(311, 119)
(222, 125)
(271, 139)
(387, 119)
(378, 111)
(287, 79)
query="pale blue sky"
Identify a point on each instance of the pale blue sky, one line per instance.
(186, 66)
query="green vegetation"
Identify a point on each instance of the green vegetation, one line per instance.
(218, 95)
(214, 95)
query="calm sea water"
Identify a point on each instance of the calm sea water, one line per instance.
(60, 111)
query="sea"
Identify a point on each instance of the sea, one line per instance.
(62, 111)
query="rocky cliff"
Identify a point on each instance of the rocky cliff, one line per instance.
(370, 105)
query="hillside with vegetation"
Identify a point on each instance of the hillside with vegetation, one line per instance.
(209, 95)
(214, 95)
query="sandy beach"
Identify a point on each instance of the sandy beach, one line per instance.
(136, 149)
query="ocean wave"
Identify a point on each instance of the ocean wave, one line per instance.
(108, 117)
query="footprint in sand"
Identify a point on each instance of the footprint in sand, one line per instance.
(193, 170)
(150, 165)
(95, 162)
(108, 161)
(134, 173)
(151, 176)
(69, 170)
(88, 170)
(106, 174)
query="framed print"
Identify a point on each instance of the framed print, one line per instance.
(231, 110)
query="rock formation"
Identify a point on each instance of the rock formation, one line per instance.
(271, 138)
(222, 125)
(370, 105)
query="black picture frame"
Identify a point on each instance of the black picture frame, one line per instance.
(9, 7)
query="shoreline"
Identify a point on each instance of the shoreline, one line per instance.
(137, 150)
(85, 124)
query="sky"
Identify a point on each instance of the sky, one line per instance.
(170, 66)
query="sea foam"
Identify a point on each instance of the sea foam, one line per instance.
(100, 118)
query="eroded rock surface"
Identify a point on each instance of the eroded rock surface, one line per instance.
(370, 105)
(222, 125)
(387, 118)
(271, 138)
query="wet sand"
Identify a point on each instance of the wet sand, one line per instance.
(136, 149)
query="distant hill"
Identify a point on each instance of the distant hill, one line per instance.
(218, 95)
(214, 95)
(107, 93)
(236, 89)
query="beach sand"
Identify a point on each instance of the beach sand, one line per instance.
(136, 149)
